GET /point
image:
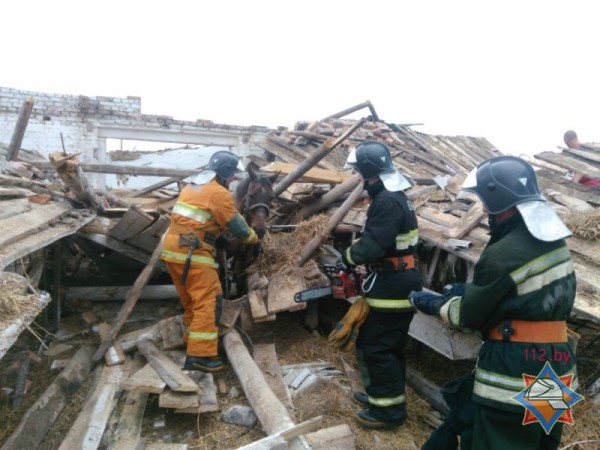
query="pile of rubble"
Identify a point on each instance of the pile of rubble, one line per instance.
(52, 219)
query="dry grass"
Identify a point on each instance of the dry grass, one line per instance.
(281, 250)
(15, 302)
(585, 225)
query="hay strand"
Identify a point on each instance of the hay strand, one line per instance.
(585, 224)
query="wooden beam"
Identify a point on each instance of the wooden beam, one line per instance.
(268, 409)
(313, 175)
(132, 299)
(322, 151)
(265, 357)
(38, 419)
(427, 390)
(19, 132)
(129, 427)
(280, 439)
(314, 244)
(88, 428)
(114, 293)
(126, 170)
(345, 112)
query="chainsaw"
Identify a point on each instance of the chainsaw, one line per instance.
(344, 285)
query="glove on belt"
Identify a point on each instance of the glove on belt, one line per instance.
(346, 330)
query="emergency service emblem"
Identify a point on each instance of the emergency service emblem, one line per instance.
(547, 398)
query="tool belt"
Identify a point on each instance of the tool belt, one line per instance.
(529, 331)
(393, 264)
(205, 238)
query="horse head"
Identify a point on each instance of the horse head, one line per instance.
(259, 199)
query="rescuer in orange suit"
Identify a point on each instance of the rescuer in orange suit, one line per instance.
(204, 208)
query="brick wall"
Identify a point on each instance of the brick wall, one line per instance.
(78, 117)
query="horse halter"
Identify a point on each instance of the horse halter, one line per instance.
(256, 206)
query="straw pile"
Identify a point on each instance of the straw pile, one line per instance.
(585, 225)
(14, 299)
(281, 250)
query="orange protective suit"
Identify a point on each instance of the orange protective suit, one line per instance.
(203, 210)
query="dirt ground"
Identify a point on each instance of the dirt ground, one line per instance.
(294, 344)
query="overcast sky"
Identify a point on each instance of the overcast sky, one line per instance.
(518, 72)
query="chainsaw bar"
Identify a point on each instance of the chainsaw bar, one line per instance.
(312, 294)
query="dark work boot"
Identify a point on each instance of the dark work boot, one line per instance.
(362, 398)
(367, 420)
(203, 363)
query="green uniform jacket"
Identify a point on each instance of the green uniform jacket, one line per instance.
(518, 277)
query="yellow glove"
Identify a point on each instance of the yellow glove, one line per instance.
(346, 330)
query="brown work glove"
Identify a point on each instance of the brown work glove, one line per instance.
(346, 330)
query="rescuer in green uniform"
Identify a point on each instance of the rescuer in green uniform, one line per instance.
(522, 292)
(386, 248)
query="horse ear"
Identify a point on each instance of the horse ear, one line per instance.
(252, 170)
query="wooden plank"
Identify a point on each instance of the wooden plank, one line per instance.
(570, 162)
(144, 380)
(133, 222)
(87, 431)
(332, 438)
(117, 246)
(467, 223)
(282, 288)
(207, 397)
(440, 337)
(151, 333)
(171, 331)
(129, 426)
(175, 378)
(11, 332)
(114, 354)
(266, 359)
(257, 299)
(38, 419)
(178, 400)
(314, 175)
(148, 239)
(39, 217)
(279, 440)
(588, 155)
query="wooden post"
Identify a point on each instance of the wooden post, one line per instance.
(17, 137)
(132, 298)
(426, 389)
(312, 246)
(71, 174)
(314, 158)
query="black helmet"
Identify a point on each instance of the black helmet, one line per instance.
(503, 182)
(370, 159)
(224, 164)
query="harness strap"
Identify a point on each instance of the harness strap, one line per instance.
(538, 332)
(393, 264)
(204, 237)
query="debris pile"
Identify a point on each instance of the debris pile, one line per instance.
(67, 242)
